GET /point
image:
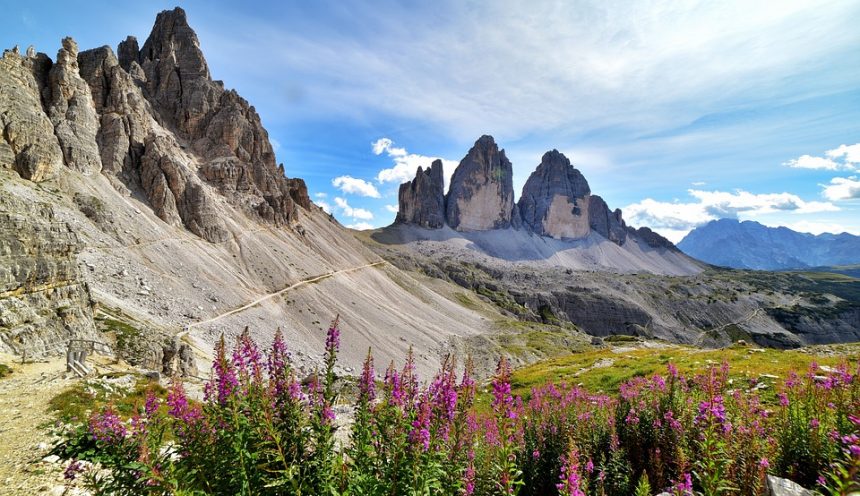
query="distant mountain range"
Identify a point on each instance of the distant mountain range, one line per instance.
(750, 245)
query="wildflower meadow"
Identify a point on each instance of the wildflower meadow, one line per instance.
(261, 431)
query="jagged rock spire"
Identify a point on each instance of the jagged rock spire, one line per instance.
(422, 200)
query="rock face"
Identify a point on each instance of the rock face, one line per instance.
(220, 126)
(555, 199)
(70, 107)
(422, 200)
(608, 224)
(481, 195)
(43, 301)
(27, 141)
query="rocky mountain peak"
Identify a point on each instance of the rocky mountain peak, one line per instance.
(481, 195)
(422, 200)
(172, 41)
(555, 201)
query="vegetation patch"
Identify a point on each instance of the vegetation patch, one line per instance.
(5, 370)
(127, 397)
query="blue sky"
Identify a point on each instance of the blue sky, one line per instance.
(677, 112)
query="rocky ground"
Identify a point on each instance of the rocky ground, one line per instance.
(25, 427)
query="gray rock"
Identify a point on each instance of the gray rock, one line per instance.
(27, 142)
(784, 487)
(555, 199)
(69, 105)
(608, 224)
(481, 196)
(422, 200)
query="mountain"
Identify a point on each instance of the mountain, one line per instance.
(141, 205)
(750, 245)
(557, 220)
(560, 256)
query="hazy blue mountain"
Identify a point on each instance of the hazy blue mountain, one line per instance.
(750, 245)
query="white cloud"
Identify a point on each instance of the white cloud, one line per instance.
(325, 206)
(349, 184)
(392, 208)
(653, 61)
(276, 145)
(842, 188)
(810, 162)
(320, 195)
(348, 211)
(405, 164)
(851, 153)
(675, 219)
(699, 183)
(360, 226)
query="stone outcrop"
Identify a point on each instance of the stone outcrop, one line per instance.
(69, 105)
(651, 238)
(555, 199)
(422, 200)
(125, 114)
(27, 141)
(219, 125)
(43, 300)
(609, 224)
(176, 196)
(481, 195)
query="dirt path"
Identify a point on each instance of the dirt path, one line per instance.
(277, 293)
(24, 400)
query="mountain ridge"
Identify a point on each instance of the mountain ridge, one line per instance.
(751, 245)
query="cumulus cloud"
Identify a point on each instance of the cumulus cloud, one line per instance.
(392, 208)
(325, 206)
(674, 219)
(349, 184)
(360, 226)
(844, 157)
(810, 162)
(405, 163)
(348, 211)
(851, 153)
(842, 188)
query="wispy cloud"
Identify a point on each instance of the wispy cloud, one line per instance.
(405, 163)
(464, 68)
(349, 184)
(392, 208)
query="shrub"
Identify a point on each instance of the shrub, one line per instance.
(260, 431)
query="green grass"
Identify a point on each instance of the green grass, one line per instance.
(744, 362)
(466, 301)
(77, 402)
(5, 370)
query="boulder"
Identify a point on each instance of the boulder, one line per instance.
(784, 487)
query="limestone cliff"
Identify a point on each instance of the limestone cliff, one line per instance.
(555, 199)
(422, 200)
(481, 195)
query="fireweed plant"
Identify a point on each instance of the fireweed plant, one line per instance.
(261, 431)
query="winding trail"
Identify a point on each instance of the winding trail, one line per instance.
(276, 293)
